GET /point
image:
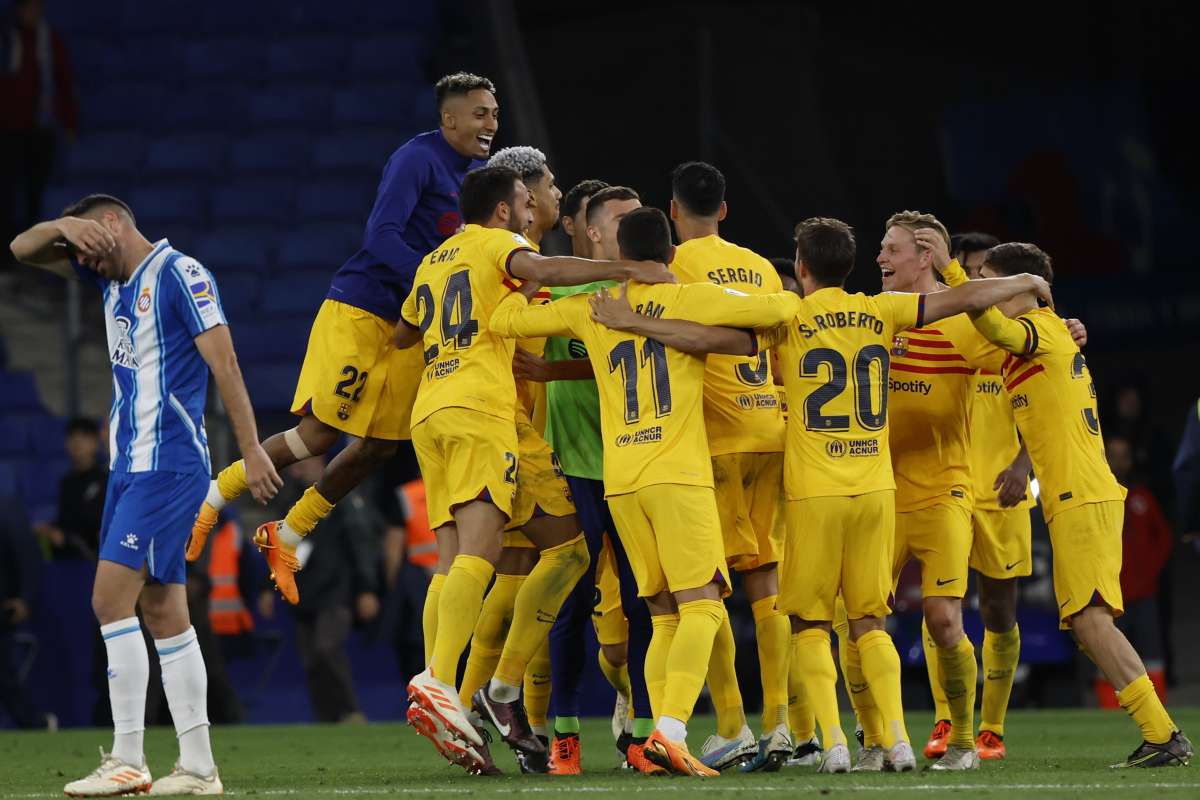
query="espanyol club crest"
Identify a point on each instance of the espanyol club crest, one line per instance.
(899, 345)
(143, 302)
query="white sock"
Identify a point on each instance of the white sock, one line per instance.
(185, 682)
(502, 692)
(289, 536)
(128, 677)
(540, 730)
(214, 497)
(673, 729)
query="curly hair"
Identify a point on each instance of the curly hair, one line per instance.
(528, 162)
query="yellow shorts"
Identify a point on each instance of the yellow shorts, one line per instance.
(672, 535)
(607, 613)
(541, 486)
(1086, 545)
(465, 455)
(1002, 546)
(940, 538)
(838, 544)
(749, 491)
(353, 377)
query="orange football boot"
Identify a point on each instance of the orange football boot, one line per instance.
(635, 757)
(938, 740)
(674, 757)
(990, 745)
(281, 559)
(565, 755)
(201, 528)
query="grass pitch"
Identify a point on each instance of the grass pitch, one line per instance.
(1051, 753)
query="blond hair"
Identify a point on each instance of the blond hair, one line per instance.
(913, 221)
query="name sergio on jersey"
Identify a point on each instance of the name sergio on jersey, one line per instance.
(841, 319)
(644, 436)
(855, 448)
(725, 275)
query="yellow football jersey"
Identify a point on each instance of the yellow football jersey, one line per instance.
(741, 408)
(1053, 401)
(993, 440)
(651, 396)
(928, 394)
(834, 356)
(454, 293)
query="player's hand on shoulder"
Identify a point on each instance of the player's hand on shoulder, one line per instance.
(931, 240)
(528, 367)
(1041, 288)
(650, 272)
(88, 237)
(1078, 331)
(261, 478)
(612, 311)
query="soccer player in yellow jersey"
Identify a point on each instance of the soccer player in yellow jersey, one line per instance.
(837, 471)
(466, 442)
(657, 468)
(1054, 403)
(745, 437)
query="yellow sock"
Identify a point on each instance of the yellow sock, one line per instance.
(1001, 653)
(491, 629)
(310, 509)
(1141, 702)
(662, 637)
(231, 481)
(458, 610)
(723, 682)
(859, 690)
(429, 614)
(881, 667)
(774, 634)
(958, 671)
(800, 713)
(536, 607)
(687, 662)
(617, 677)
(537, 685)
(814, 659)
(941, 708)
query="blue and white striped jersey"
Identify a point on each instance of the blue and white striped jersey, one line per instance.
(160, 380)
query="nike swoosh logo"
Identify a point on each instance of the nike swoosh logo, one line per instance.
(542, 616)
(503, 729)
(944, 582)
(996, 675)
(1013, 564)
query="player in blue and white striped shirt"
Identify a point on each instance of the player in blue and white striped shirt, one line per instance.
(166, 331)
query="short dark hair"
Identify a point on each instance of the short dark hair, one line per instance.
(93, 201)
(827, 247)
(963, 244)
(644, 234)
(784, 266)
(458, 84)
(700, 187)
(1014, 258)
(572, 201)
(605, 195)
(485, 188)
(85, 425)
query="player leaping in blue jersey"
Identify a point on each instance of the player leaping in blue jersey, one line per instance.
(166, 331)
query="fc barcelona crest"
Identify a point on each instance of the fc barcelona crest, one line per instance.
(343, 411)
(899, 345)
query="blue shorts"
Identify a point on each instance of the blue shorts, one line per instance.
(148, 518)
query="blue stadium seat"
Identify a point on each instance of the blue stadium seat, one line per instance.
(47, 433)
(238, 16)
(59, 196)
(386, 105)
(288, 152)
(395, 56)
(318, 247)
(119, 153)
(310, 56)
(340, 200)
(275, 340)
(172, 202)
(186, 153)
(15, 436)
(207, 108)
(272, 386)
(301, 292)
(20, 392)
(101, 61)
(39, 486)
(142, 17)
(223, 58)
(118, 105)
(181, 235)
(365, 150)
(304, 104)
(245, 248)
(253, 201)
(238, 289)
(154, 56)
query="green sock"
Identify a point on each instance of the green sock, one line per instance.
(566, 724)
(642, 728)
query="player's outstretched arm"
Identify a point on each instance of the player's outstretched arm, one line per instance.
(515, 318)
(528, 367)
(689, 337)
(571, 271)
(42, 245)
(975, 297)
(216, 348)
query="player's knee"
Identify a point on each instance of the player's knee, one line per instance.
(616, 654)
(107, 609)
(999, 615)
(943, 618)
(315, 436)
(378, 450)
(1092, 624)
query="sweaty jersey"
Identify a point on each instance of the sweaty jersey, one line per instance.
(160, 380)
(928, 399)
(741, 408)
(834, 356)
(651, 396)
(993, 440)
(456, 289)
